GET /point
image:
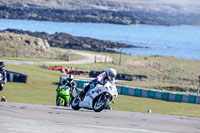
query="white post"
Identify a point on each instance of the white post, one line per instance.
(198, 87)
(95, 59)
(120, 56)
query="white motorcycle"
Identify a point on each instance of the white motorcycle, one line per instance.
(1, 82)
(97, 98)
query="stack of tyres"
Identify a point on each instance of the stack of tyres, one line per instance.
(16, 77)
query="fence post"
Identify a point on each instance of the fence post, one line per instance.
(95, 59)
(120, 56)
(198, 86)
(113, 60)
(4, 52)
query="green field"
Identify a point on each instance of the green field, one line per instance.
(59, 52)
(163, 72)
(41, 89)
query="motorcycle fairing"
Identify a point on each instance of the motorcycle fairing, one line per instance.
(91, 95)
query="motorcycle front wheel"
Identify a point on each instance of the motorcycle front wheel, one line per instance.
(61, 102)
(100, 103)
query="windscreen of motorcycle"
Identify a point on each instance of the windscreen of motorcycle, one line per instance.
(66, 87)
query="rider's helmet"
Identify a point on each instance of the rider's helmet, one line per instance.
(70, 77)
(3, 97)
(2, 66)
(112, 73)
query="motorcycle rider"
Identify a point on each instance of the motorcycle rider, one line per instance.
(3, 99)
(69, 81)
(100, 79)
(3, 72)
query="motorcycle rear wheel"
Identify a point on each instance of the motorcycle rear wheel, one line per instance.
(75, 103)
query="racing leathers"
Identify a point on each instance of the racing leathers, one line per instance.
(71, 84)
(100, 79)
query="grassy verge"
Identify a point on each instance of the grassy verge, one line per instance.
(137, 104)
(40, 88)
(163, 72)
(42, 84)
(57, 50)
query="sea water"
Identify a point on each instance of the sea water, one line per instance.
(182, 41)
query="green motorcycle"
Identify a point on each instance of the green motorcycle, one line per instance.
(64, 96)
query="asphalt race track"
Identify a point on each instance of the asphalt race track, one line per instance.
(33, 118)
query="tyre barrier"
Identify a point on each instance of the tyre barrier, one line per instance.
(150, 93)
(120, 76)
(161, 95)
(16, 77)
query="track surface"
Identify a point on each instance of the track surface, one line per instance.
(33, 118)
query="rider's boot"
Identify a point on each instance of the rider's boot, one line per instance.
(108, 107)
(84, 91)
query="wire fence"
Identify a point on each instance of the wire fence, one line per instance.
(34, 53)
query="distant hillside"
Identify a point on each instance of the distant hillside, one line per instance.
(17, 45)
(157, 12)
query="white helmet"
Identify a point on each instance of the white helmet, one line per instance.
(111, 73)
(2, 66)
(70, 77)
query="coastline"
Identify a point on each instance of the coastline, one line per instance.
(64, 40)
(105, 11)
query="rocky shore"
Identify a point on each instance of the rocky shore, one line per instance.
(103, 11)
(64, 40)
(156, 12)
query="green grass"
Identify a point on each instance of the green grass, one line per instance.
(41, 89)
(137, 104)
(163, 72)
